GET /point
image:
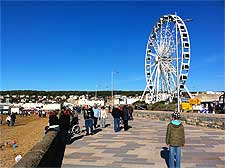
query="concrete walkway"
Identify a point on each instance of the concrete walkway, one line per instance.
(143, 145)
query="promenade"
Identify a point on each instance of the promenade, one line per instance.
(143, 145)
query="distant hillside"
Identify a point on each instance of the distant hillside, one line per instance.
(67, 93)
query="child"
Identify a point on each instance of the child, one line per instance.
(175, 139)
(103, 116)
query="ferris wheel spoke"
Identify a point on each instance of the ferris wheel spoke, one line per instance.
(155, 80)
(169, 67)
(171, 35)
(151, 65)
(169, 45)
(165, 33)
(157, 91)
(168, 50)
(168, 86)
(156, 47)
(166, 78)
(172, 68)
(172, 79)
(152, 54)
(161, 33)
(154, 70)
(172, 74)
(152, 74)
(166, 81)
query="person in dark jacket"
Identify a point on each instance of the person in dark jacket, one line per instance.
(125, 117)
(175, 138)
(13, 119)
(53, 119)
(74, 119)
(64, 121)
(64, 124)
(88, 118)
(116, 113)
(130, 109)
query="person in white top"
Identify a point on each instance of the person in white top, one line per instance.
(8, 120)
(103, 116)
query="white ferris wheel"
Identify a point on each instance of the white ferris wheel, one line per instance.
(167, 59)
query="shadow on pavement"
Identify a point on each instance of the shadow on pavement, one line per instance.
(70, 139)
(121, 127)
(164, 153)
(107, 125)
(97, 130)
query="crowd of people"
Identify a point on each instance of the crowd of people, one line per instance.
(11, 118)
(124, 114)
(175, 137)
(94, 117)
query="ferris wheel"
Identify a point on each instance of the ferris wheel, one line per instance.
(167, 59)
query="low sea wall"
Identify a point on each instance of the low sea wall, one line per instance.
(204, 120)
(48, 152)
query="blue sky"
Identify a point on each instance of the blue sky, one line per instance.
(76, 45)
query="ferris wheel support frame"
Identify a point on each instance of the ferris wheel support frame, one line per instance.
(178, 87)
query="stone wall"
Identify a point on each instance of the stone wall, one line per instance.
(47, 153)
(204, 120)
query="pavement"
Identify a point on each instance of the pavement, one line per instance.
(143, 146)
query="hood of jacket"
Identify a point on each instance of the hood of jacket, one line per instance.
(176, 123)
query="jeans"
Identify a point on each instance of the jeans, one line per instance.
(95, 121)
(89, 124)
(102, 122)
(116, 124)
(125, 124)
(174, 150)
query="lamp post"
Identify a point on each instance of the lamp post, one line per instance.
(112, 76)
(178, 87)
(96, 91)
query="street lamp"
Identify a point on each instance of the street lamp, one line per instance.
(112, 76)
(96, 91)
(178, 87)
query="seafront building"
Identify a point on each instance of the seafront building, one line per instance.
(37, 101)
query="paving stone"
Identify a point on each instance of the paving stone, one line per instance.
(142, 147)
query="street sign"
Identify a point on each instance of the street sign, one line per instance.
(186, 106)
(194, 101)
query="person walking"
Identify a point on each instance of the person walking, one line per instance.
(64, 123)
(103, 116)
(13, 118)
(125, 117)
(116, 113)
(175, 138)
(130, 109)
(88, 114)
(53, 119)
(96, 115)
(8, 120)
